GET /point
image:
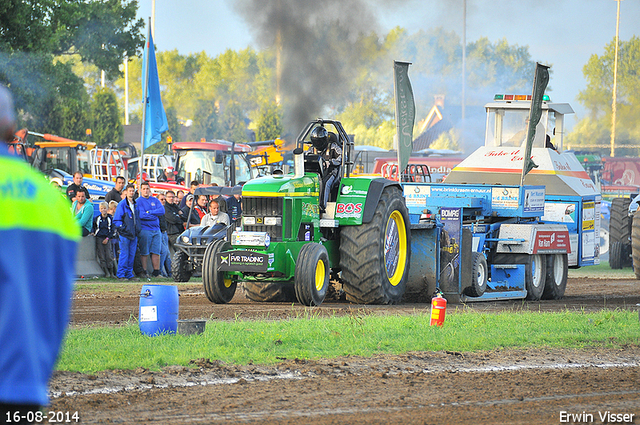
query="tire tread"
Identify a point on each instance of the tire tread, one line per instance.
(362, 257)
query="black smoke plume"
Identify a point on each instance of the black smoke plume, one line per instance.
(319, 45)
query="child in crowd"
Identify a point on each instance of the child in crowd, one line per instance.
(104, 231)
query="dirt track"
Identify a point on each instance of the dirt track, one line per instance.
(92, 306)
(510, 386)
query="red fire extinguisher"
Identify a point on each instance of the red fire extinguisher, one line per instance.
(438, 309)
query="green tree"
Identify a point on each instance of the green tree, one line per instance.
(268, 122)
(34, 34)
(233, 125)
(75, 119)
(158, 147)
(173, 124)
(101, 32)
(205, 124)
(368, 109)
(447, 140)
(107, 128)
(595, 129)
(195, 85)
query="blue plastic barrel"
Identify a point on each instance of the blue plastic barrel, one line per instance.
(158, 309)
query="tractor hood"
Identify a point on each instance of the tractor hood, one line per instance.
(202, 235)
(282, 185)
(561, 173)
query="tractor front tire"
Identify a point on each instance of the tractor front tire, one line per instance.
(619, 222)
(556, 280)
(269, 291)
(616, 251)
(218, 289)
(180, 267)
(635, 244)
(374, 256)
(312, 274)
(479, 274)
(535, 271)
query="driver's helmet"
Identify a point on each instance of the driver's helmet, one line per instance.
(319, 138)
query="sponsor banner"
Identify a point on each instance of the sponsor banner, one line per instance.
(550, 241)
(245, 261)
(310, 210)
(534, 200)
(573, 256)
(597, 230)
(459, 191)
(505, 197)
(588, 245)
(348, 209)
(559, 212)
(250, 238)
(405, 111)
(588, 216)
(349, 190)
(416, 195)
(450, 246)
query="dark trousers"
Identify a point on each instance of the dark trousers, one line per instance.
(328, 181)
(104, 252)
(172, 241)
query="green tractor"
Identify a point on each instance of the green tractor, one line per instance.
(301, 229)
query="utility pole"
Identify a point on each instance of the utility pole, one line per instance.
(126, 90)
(464, 55)
(102, 75)
(153, 19)
(615, 86)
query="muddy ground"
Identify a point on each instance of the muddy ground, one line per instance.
(497, 387)
(115, 303)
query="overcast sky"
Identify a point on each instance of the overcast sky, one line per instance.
(563, 33)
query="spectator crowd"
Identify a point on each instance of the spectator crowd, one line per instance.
(136, 230)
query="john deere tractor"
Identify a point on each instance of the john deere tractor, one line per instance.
(300, 229)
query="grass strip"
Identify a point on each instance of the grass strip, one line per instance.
(94, 349)
(603, 271)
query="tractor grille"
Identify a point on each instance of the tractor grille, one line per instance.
(261, 208)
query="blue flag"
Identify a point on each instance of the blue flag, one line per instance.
(155, 119)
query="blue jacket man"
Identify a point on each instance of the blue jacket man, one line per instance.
(37, 263)
(127, 221)
(150, 242)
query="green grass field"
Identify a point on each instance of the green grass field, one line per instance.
(603, 270)
(94, 349)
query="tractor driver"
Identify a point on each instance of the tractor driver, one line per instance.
(326, 144)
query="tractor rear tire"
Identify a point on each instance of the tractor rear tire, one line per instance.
(619, 222)
(218, 289)
(374, 256)
(556, 280)
(535, 271)
(269, 291)
(312, 274)
(635, 244)
(180, 267)
(479, 274)
(616, 251)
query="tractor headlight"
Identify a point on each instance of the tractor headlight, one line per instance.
(273, 221)
(185, 240)
(249, 220)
